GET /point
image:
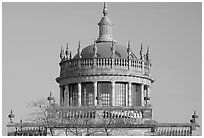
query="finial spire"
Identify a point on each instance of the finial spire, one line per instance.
(105, 11)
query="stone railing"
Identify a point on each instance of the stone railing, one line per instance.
(104, 65)
(120, 115)
(172, 129)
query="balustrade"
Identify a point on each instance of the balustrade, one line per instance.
(128, 115)
(132, 65)
(173, 130)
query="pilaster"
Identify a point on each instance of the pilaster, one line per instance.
(61, 95)
(142, 94)
(95, 93)
(129, 93)
(149, 94)
(126, 95)
(113, 92)
(143, 71)
(67, 94)
(79, 94)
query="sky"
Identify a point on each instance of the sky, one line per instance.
(32, 34)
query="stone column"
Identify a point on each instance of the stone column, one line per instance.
(79, 94)
(67, 94)
(149, 93)
(61, 95)
(113, 93)
(142, 94)
(129, 93)
(126, 95)
(95, 93)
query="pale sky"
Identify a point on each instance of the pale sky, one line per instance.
(34, 32)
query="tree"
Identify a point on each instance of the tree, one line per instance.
(77, 120)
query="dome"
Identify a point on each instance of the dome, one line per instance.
(104, 51)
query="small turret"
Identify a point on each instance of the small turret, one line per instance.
(105, 27)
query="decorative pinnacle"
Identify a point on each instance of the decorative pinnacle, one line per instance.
(70, 55)
(141, 47)
(129, 49)
(62, 53)
(67, 48)
(79, 45)
(105, 11)
(11, 116)
(67, 51)
(95, 49)
(51, 99)
(79, 49)
(113, 48)
(141, 54)
(61, 49)
(194, 116)
(148, 54)
(129, 44)
(148, 49)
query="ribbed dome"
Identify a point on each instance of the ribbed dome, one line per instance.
(104, 51)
